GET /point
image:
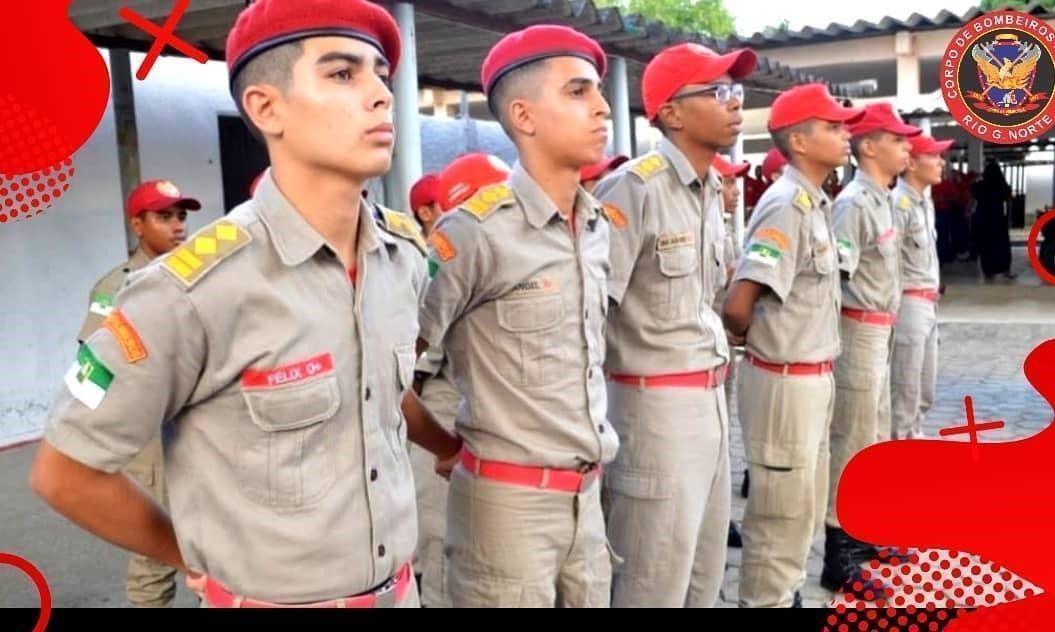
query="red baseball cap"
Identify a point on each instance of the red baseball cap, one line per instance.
(466, 174)
(809, 101)
(773, 161)
(727, 169)
(882, 117)
(538, 42)
(923, 144)
(424, 192)
(157, 195)
(684, 64)
(594, 171)
(265, 24)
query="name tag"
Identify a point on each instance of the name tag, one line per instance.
(289, 373)
(538, 285)
(675, 240)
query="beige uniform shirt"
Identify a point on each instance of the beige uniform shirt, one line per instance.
(101, 298)
(668, 257)
(277, 385)
(791, 249)
(920, 268)
(867, 241)
(518, 305)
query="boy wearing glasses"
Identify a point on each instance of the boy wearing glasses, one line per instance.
(668, 490)
(785, 301)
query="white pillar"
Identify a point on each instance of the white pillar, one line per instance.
(406, 158)
(619, 103)
(736, 156)
(907, 64)
(924, 124)
(127, 131)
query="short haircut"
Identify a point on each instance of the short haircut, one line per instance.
(782, 137)
(274, 67)
(855, 143)
(518, 83)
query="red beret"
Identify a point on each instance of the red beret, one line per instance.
(466, 174)
(881, 116)
(424, 192)
(678, 66)
(773, 161)
(594, 171)
(265, 24)
(538, 42)
(808, 101)
(727, 169)
(158, 195)
(923, 144)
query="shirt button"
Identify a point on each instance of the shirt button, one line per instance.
(589, 373)
(381, 551)
(373, 474)
(600, 429)
(367, 393)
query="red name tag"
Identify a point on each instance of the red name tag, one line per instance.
(887, 235)
(288, 374)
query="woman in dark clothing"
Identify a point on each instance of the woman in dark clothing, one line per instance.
(990, 219)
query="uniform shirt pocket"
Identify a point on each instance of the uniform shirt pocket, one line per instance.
(672, 294)
(527, 351)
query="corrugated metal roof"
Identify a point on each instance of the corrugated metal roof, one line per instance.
(453, 36)
(834, 32)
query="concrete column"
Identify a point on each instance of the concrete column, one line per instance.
(924, 124)
(907, 64)
(406, 158)
(975, 154)
(736, 156)
(127, 132)
(619, 103)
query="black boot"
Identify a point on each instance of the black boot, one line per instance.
(735, 541)
(842, 569)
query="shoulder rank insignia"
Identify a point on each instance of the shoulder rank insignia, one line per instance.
(803, 201)
(191, 261)
(487, 200)
(400, 225)
(905, 203)
(649, 166)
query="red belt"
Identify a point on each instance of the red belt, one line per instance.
(930, 295)
(566, 480)
(389, 595)
(794, 368)
(712, 378)
(883, 319)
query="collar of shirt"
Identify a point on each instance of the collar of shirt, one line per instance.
(539, 208)
(683, 168)
(294, 238)
(818, 197)
(868, 182)
(908, 190)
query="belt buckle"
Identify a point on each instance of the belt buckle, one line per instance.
(385, 596)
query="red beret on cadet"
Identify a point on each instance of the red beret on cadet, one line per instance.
(774, 160)
(538, 42)
(424, 191)
(881, 116)
(466, 175)
(158, 195)
(265, 24)
(923, 144)
(678, 66)
(727, 169)
(809, 101)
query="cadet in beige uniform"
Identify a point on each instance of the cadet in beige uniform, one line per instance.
(667, 493)
(867, 241)
(157, 214)
(273, 350)
(456, 183)
(785, 300)
(518, 303)
(914, 368)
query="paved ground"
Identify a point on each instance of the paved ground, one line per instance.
(986, 331)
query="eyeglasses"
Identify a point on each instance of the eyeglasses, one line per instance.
(722, 92)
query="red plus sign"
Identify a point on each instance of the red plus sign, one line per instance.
(165, 36)
(971, 428)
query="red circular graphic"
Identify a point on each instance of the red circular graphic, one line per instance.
(43, 590)
(1034, 258)
(36, 198)
(1007, 53)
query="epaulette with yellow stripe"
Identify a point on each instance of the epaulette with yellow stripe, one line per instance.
(487, 200)
(203, 251)
(905, 203)
(802, 200)
(400, 225)
(649, 166)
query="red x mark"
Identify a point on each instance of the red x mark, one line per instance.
(971, 428)
(164, 37)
